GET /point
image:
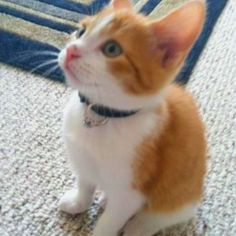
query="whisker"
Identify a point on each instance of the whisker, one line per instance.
(34, 52)
(31, 54)
(20, 57)
(43, 64)
(50, 71)
(95, 8)
(87, 11)
(97, 5)
(48, 53)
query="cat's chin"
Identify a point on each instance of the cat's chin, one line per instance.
(76, 83)
(73, 80)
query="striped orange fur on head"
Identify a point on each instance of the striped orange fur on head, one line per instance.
(153, 51)
(119, 4)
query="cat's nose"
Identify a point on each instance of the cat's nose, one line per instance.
(72, 52)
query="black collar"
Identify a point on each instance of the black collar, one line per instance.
(106, 111)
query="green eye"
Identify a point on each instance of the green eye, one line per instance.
(80, 32)
(112, 49)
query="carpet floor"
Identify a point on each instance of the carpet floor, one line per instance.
(33, 168)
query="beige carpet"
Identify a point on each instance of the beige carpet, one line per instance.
(34, 173)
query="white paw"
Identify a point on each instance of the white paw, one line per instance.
(104, 233)
(135, 227)
(70, 203)
(134, 232)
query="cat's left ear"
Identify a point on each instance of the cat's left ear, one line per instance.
(176, 33)
(119, 4)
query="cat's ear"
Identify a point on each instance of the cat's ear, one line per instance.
(176, 33)
(119, 4)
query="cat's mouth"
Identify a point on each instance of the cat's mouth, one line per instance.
(80, 77)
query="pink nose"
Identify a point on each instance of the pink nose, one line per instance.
(72, 52)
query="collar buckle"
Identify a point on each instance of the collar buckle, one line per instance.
(89, 122)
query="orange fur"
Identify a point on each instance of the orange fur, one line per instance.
(170, 168)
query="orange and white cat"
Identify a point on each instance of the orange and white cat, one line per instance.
(130, 131)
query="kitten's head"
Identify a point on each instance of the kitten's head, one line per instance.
(121, 59)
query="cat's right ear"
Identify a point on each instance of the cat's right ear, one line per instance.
(121, 4)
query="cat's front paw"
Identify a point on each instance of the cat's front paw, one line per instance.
(130, 231)
(135, 227)
(72, 204)
(104, 234)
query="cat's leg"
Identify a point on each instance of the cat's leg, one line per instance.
(79, 199)
(120, 207)
(147, 224)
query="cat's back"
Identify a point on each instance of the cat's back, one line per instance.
(184, 120)
(171, 166)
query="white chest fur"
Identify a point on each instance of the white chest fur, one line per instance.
(105, 153)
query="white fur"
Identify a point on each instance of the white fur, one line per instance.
(103, 156)
(102, 23)
(147, 224)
